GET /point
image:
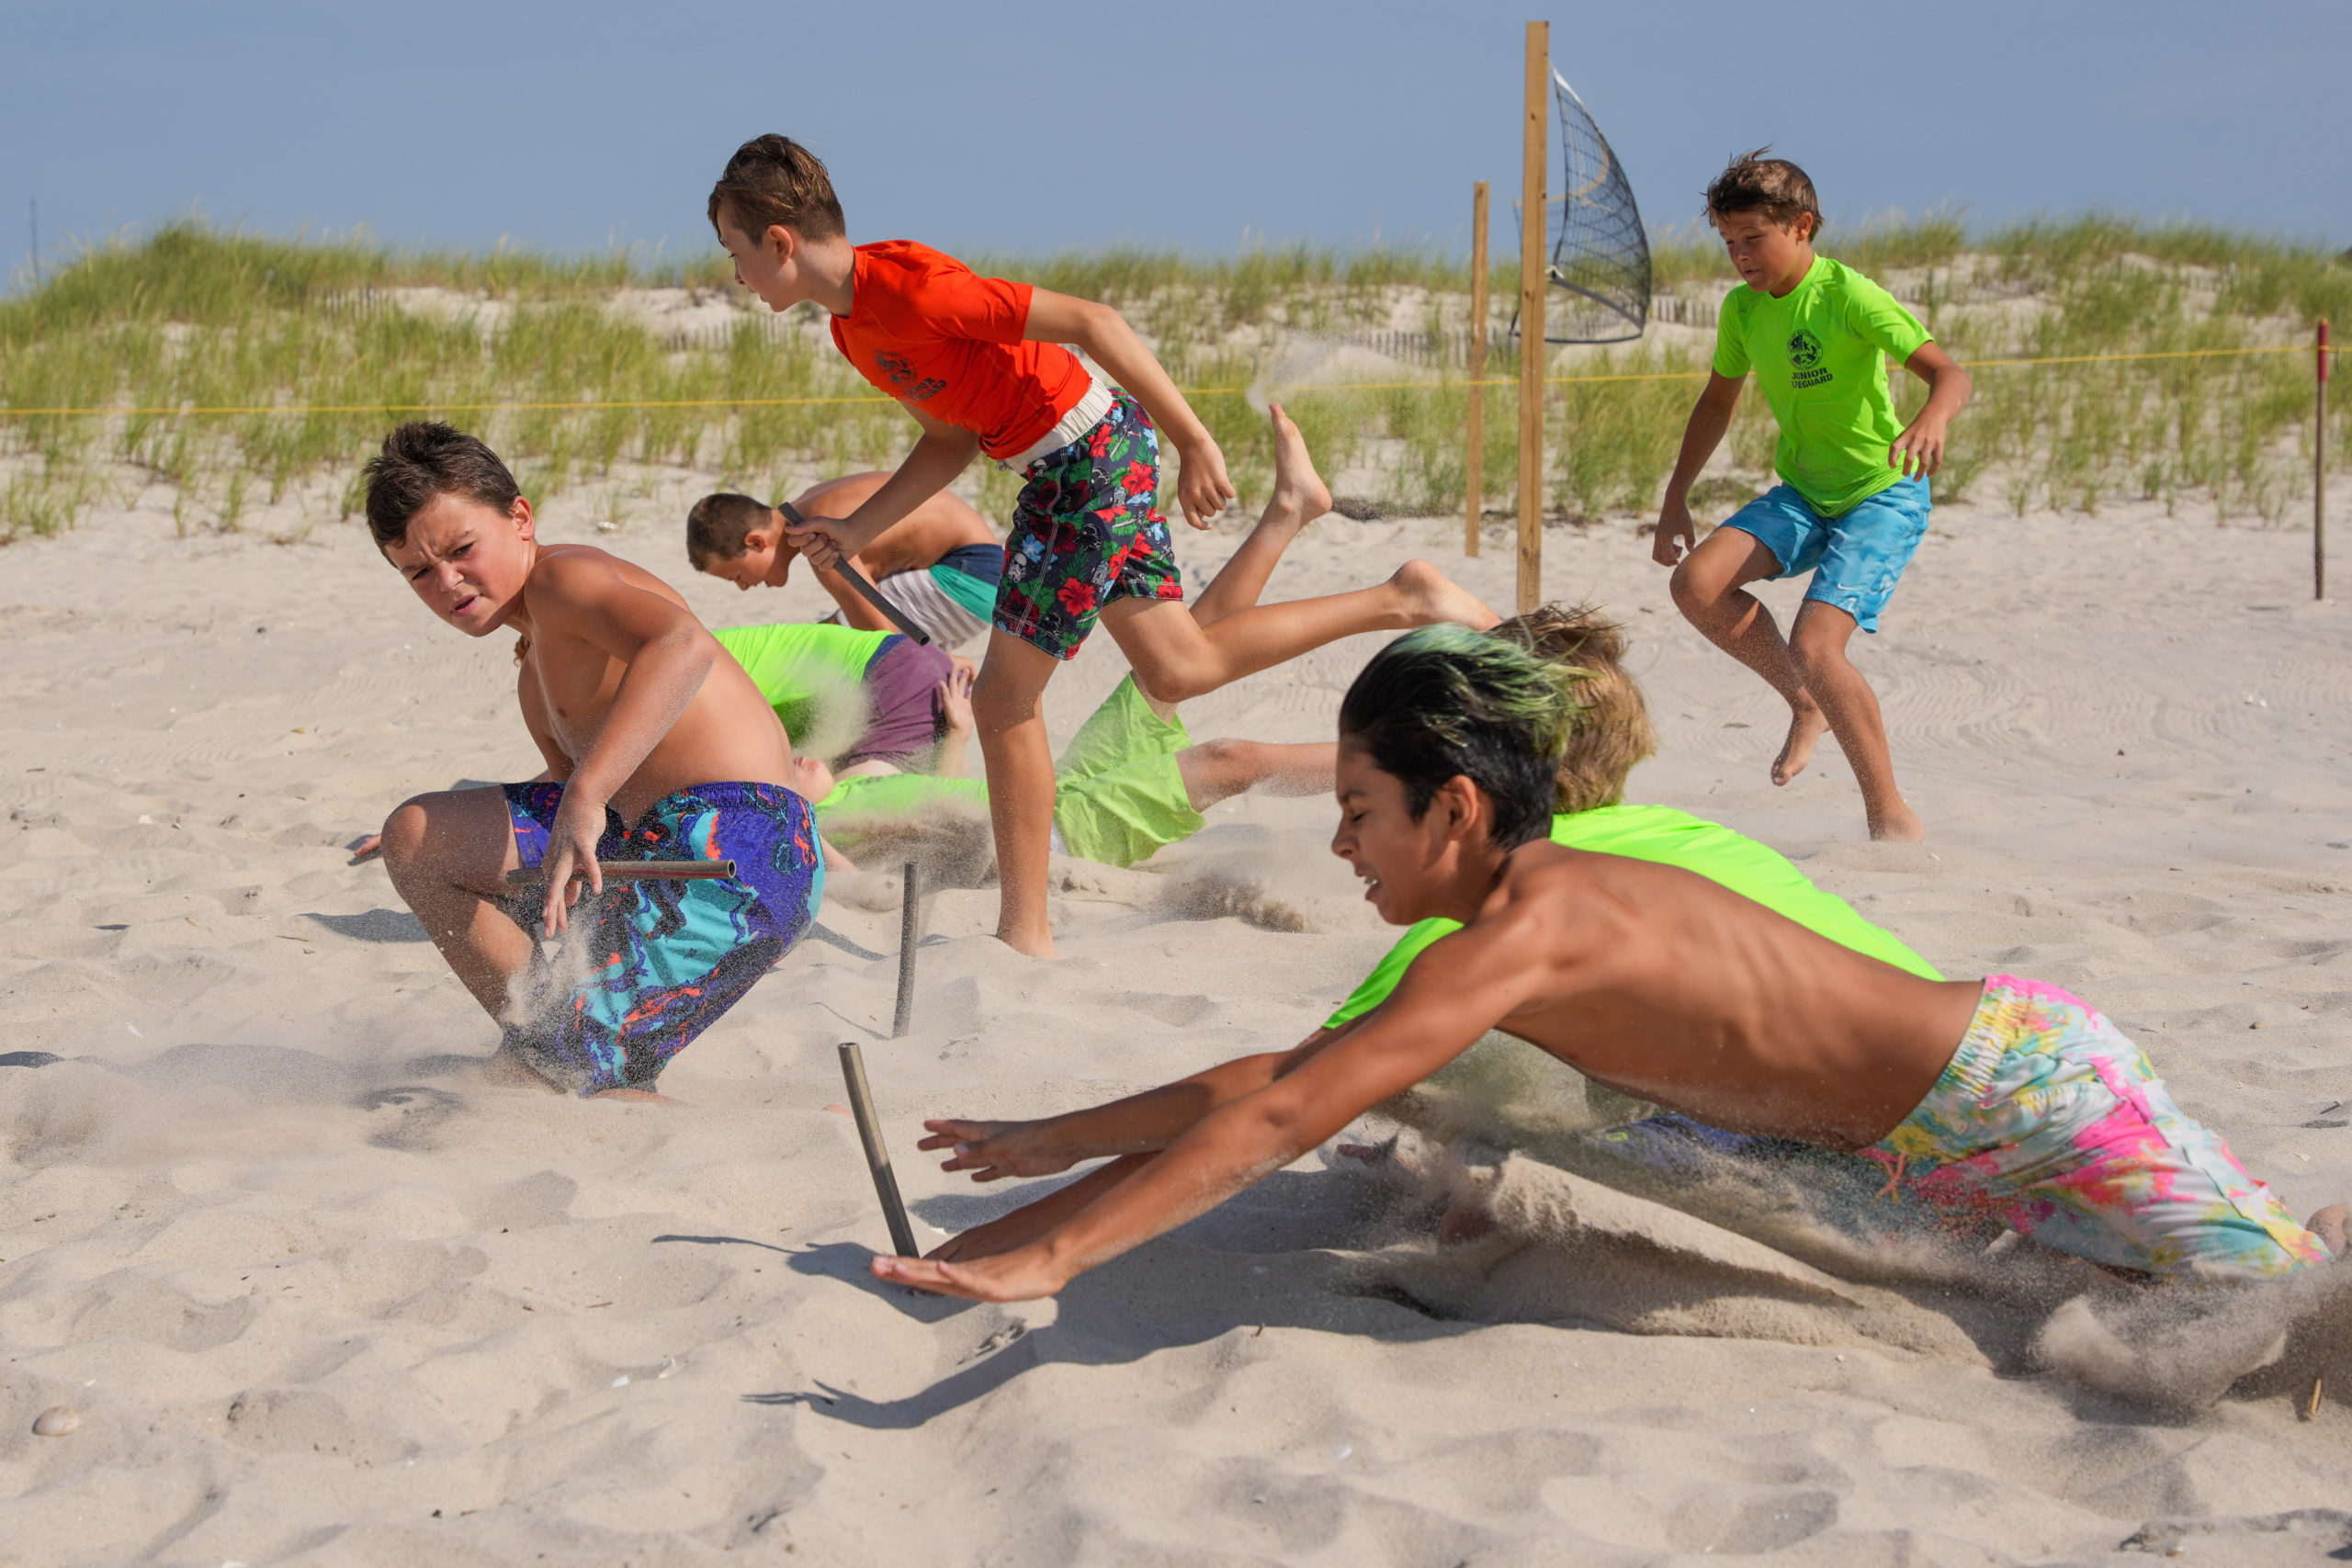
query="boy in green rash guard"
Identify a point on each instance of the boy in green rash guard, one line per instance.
(1853, 506)
(1610, 733)
(1130, 782)
(806, 668)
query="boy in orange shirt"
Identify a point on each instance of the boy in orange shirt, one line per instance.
(979, 364)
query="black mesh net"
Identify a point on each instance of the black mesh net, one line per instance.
(1601, 256)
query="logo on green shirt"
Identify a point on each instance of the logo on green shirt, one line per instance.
(1805, 358)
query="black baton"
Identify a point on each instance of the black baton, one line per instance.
(857, 578)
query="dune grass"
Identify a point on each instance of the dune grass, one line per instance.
(191, 317)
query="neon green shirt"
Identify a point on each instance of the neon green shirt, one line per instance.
(1820, 355)
(1118, 793)
(797, 662)
(896, 795)
(1667, 837)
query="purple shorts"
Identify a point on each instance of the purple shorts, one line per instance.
(904, 719)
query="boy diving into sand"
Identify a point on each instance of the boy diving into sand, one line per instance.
(940, 563)
(2005, 1098)
(803, 668)
(1853, 504)
(979, 365)
(658, 747)
(1609, 733)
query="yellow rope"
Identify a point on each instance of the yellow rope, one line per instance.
(7, 413)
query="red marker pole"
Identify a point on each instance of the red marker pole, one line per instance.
(2319, 471)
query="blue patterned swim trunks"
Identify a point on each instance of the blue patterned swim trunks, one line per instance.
(666, 958)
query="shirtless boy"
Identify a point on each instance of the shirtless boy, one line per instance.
(940, 563)
(980, 365)
(658, 747)
(2005, 1097)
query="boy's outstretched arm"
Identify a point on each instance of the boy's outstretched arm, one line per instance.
(1709, 418)
(668, 654)
(1140, 1123)
(1427, 1023)
(1201, 487)
(1919, 450)
(941, 453)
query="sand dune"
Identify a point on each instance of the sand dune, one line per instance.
(317, 1295)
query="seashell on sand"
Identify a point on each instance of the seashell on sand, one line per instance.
(56, 1421)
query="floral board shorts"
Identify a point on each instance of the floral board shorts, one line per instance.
(2050, 1122)
(1085, 531)
(665, 959)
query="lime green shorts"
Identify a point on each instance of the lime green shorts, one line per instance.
(1118, 795)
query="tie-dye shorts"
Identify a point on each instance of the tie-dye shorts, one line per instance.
(660, 961)
(2050, 1122)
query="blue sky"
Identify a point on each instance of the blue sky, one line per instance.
(1040, 124)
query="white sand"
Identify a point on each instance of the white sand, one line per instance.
(319, 1297)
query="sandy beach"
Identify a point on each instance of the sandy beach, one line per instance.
(315, 1294)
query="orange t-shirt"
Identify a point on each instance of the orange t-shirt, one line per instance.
(923, 328)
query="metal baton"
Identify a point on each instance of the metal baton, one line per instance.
(857, 578)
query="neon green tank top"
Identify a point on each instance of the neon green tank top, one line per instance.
(798, 662)
(1667, 837)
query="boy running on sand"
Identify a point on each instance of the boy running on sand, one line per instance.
(2005, 1097)
(1853, 505)
(1131, 780)
(940, 563)
(658, 748)
(979, 365)
(1609, 733)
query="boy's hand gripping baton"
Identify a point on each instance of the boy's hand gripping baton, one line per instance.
(857, 578)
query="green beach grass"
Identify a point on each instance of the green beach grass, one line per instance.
(190, 317)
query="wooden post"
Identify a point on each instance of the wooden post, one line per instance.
(1530, 319)
(1477, 480)
(2319, 471)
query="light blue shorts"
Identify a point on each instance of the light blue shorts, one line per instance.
(1856, 558)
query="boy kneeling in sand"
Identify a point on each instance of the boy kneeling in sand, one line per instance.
(2007, 1097)
(658, 747)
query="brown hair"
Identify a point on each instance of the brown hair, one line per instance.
(425, 458)
(1774, 187)
(715, 526)
(1610, 730)
(775, 180)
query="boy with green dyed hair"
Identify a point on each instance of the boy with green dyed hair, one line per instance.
(1852, 506)
(1991, 1104)
(1609, 733)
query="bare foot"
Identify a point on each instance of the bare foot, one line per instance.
(1300, 495)
(506, 1068)
(1038, 946)
(1806, 725)
(644, 1094)
(1431, 597)
(2328, 1224)
(1898, 824)
(1463, 1223)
